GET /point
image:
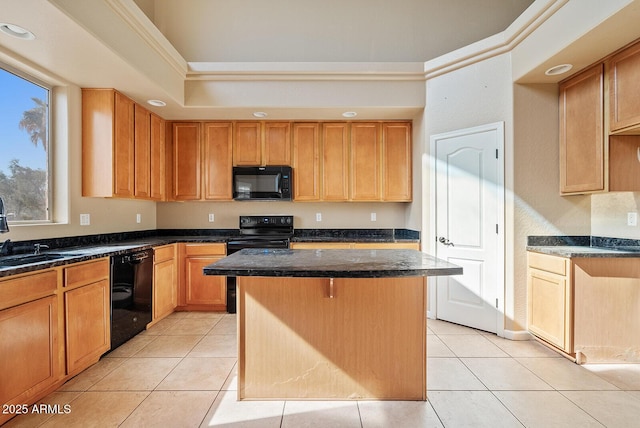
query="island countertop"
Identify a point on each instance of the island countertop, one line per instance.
(328, 263)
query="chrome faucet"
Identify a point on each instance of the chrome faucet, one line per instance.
(4, 226)
(38, 247)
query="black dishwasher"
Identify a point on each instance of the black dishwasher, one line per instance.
(131, 294)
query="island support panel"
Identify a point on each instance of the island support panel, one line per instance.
(324, 338)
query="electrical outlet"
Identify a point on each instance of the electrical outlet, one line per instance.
(373, 217)
(138, 218)
(318, 216)
(85, 219)
(632, 219)
(212, 217)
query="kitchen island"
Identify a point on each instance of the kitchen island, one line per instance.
(332, 324)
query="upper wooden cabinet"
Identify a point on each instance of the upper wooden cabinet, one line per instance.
(306, 161)
(335, 161)
(365, 182)
(142, 152)
(397, 172)
(122, 147)
(623, 70)
(217, 147)
(600, 124)
(582, 140)
(158, 165)
(202, 159)
(352, 161)
(262, 143)
(107, 144)
(186, 161)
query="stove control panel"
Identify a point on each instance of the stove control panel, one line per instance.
(266, 222)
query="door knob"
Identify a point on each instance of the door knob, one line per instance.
(445, 241)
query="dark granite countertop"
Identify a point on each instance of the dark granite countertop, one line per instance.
(584, 246)
(82, 248)
(82, 253)
(331, 264)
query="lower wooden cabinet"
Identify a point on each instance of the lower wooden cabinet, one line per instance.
(165, 281)
(199, 291)
(30, 342)
(550, 300)
(586, 307)
(87, 313)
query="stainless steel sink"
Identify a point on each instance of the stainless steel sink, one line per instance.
(31, 258)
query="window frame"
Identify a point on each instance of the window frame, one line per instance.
(50, 145)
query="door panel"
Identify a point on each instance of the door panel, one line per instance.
(468, 187)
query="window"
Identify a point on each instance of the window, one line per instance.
(24, 148)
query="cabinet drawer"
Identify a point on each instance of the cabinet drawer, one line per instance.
(15, 291)
(163, 253)
(205, 249)
(86, 273)
(545, 262)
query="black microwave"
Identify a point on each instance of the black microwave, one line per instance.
(266, 183)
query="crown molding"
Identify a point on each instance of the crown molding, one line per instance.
(142, 25)
(530, 20)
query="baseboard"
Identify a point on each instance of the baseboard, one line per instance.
(517, 335)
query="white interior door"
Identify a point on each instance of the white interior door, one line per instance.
(469, 217)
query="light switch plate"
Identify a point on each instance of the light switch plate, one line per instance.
(318, 216)
(632, 219)
(373, 217)
(85, 219)
(138, 218)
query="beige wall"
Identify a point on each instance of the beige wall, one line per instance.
(357, 215)
(538, 208)
(609, 214)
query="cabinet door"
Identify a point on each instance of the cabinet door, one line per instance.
(218, 138)
(88, 326)
(335, 161)
(624, 89)
(581, 133)
(186, 161)
(123, 147)
(277, 143)
(28, 350)
(624, 163)
(142, 152)
(365, 162)
(306, 162)
(396, 162)
(247, 148)
(204, 289)
(157, 158)
(165, 288)
(548, 300)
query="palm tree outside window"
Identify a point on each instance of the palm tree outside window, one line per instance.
(24, 148)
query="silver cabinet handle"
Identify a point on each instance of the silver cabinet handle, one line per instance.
(445, 241)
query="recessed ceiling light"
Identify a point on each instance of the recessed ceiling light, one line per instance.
(16, 31)
(259, 114)
(157, 103)
(558, 69)
(349, 114)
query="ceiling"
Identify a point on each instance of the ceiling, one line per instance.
(328, 30)
(224, 59)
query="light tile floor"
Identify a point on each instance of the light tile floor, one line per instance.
(181, 373)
